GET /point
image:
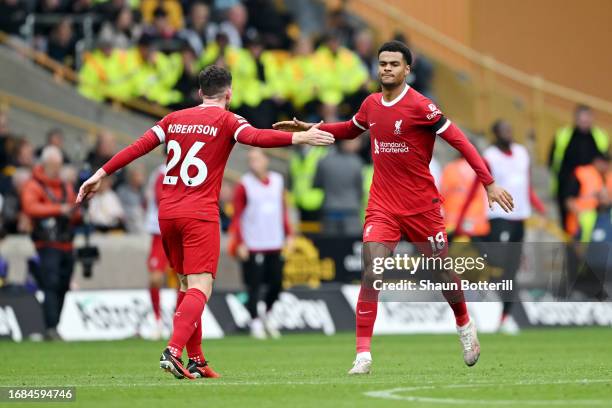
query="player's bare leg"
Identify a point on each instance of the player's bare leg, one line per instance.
(367, 307)
(186, 320)
(466, 328)
(156, 281)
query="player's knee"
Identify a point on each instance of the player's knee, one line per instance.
(156, 279)
(202, 281)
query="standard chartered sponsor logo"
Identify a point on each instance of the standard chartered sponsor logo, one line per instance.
(390, 147)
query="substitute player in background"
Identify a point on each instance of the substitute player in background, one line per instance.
(157, 262)
(403, 197)
(199, 141)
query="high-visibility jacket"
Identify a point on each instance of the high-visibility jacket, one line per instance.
(155, 80)
(581, 223)
(300, 79)
(107, 75)
(93, 76)
(303, 170)
(367, 176)
(340, 74)
(247, 87)
(562, 141)
(456, 184)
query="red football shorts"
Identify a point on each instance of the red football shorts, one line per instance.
(426, 230)
(158, 261)
(192, 245)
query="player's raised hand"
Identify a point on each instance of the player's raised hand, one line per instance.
(313, 136)
(498, 195)
(90, 186)
(294, 125)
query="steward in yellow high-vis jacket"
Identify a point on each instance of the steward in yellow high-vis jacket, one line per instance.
(574, 146)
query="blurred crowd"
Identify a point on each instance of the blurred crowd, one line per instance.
(153, 50)
(120, 206)
(281, 66)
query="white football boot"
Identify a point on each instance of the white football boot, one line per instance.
(257, 329)
(270, 326)
(508, 326)
(470, 343)
(362, 364)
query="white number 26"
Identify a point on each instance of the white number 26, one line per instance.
(190, 160)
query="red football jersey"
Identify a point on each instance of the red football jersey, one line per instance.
(402, 135)
(199, 141)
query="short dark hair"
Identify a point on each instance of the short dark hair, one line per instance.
(214, 80)
(397, 46)
(582, 108)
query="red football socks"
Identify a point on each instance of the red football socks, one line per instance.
(154, 292)
(187, 319)
(456, 301)
(365, 316)
(180, 295)
(194, 344)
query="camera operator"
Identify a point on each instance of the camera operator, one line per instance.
(48, 201)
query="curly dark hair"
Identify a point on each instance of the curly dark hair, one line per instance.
(397, 46)
(214, 80)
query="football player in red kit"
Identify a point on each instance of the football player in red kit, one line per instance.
(199, 141)
(403, 199)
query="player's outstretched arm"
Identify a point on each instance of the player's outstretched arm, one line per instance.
(275, 138)
(340, 130)
(143, 145)
(455, 137)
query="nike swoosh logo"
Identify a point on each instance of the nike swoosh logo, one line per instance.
(372, 124)
(361, 312)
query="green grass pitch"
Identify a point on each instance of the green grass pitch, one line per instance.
(551, 368)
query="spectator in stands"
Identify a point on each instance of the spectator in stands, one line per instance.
(271, 21)
(4, 127)
(236, 26)
(61, 44)
(259, 230)
(49, 202)
(199, 31)
(172, 9)
(105, 210)
(122, 32)
(55, 137)
(340, 177)
(421, 70)
(574, 146)
(161, 29)
(24, 154)
(303, 165)
(13, 14)
(300, 77)
(187, 84)
(82, 6)
(343, 24)
(340, 74)
(364, 47)
(133, 200)
(5, 140)
(104, 149)
(258, 88)
(50, 6)
(589, 222)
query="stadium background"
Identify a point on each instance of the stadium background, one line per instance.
(75, 66)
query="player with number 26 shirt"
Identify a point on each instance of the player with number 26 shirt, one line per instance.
(199, 141)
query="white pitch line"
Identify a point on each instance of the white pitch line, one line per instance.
(392, 394)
